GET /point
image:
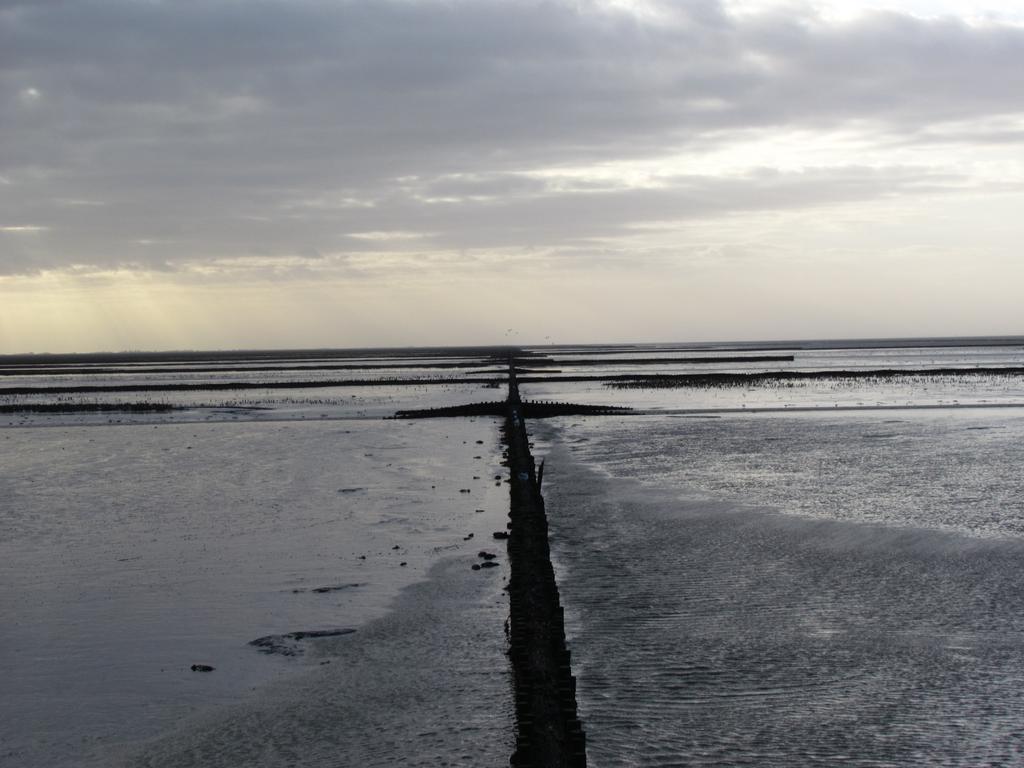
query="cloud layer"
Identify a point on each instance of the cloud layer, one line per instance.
(155, 135)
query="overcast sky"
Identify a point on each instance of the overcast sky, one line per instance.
(240, 173)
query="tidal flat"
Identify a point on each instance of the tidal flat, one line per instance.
(133, 551)
(801, 568)
(777, 590)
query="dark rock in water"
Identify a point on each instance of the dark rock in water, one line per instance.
(287, 645)
(202, 668)
(479, 442)
(319, 633)
(476, 566)
(403, 563)
(500, 535)
(465, 490)
(396, 547)
(486, 555)
(467, 537)
(488, 564)
(334, 588)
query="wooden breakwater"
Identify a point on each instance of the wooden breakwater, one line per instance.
(527, 410)
(493, 408)
(548, 729)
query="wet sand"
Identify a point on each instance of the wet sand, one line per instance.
(715, 633)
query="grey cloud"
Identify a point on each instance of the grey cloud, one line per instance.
(484, 185)
(203, 126)
(566, 218)
(546, 218)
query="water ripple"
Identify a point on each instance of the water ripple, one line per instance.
(717, 635)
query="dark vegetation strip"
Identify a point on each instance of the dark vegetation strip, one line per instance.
(665, 360)
(707, 380)
(88, 408)
(216, 386)
(529, 410)
(622, 381)
(98, 371)
(469, 363)
(548, 731)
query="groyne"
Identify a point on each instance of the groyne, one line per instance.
(549, 732)
(527, 410)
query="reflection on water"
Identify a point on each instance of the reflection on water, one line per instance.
(129, 553)
(946, 470)
(707, 631)
(427, 685)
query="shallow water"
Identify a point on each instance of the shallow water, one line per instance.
(425, 685)
(952, 470)
(129, 553)
(730, 602)
(253, 405)
(989, 389)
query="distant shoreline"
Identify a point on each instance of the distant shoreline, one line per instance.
(500, 352)
(616, 381)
